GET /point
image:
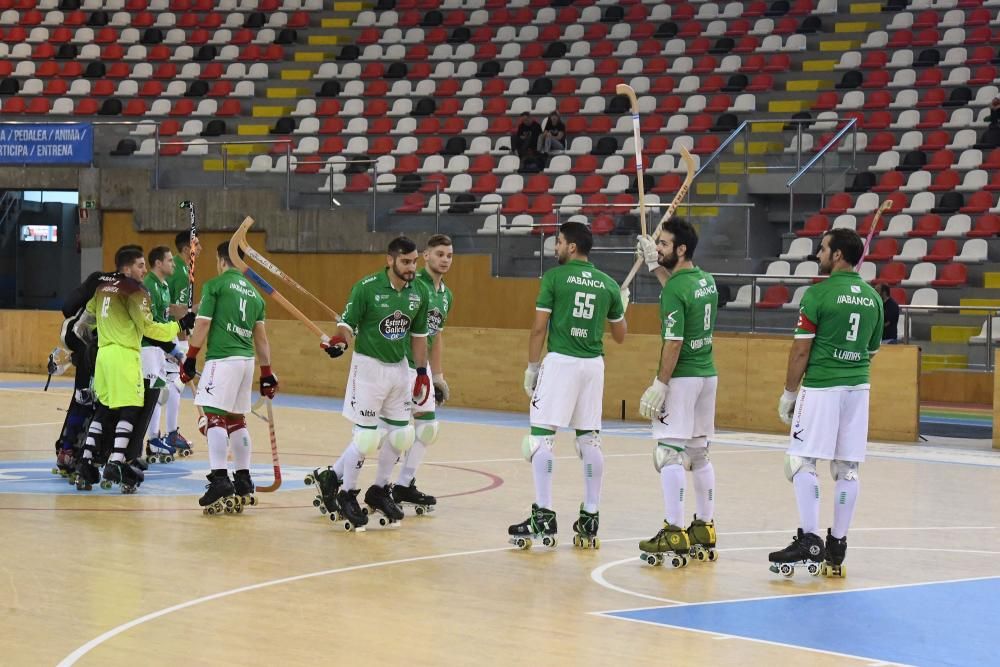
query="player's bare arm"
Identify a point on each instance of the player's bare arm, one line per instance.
(798, 358)
(261, 344)
(200, 333)
(618, 331)
(419, 344)
(669, 355)
(536, 341)
(437, 356)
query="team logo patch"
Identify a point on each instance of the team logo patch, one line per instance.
(586, 274)
(435, 320)
(395, 326)
(856, 289)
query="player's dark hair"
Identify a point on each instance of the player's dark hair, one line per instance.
(182, 240)
(847, 242)
(158, 254)
(578, 233)
(223, 253)
(684, 235)
(439, 240)
(127, 256)
(401, 246)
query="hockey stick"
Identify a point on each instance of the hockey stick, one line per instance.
(274, 445)
(263, 261)
(886, 205)
(195, 249)
(234, 255)
(678, 199)
(627, 91)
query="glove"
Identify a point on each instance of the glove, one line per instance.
(335, 346)
(421, 387)
(188, 371)
(268, 383)
(786, 406)
(626, 296)
(441, 392)
(177, 355)
(651, 403)
(645, 249)
(531, 379)
(187, 322)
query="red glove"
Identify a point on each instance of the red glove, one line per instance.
(268, 383)
(188, 371)
(422, 387)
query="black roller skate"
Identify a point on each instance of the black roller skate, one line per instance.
(327, 485)
(702, 536)
(805, 549)
(350, 514)
(219, 492)
(836, 551)
(178, 443)
(87, 475)
(65, 464)
(586, 530)
(671, 544)
(411, 495)
(243, 488)
(122, 474)
(541, 525)
(378, 499)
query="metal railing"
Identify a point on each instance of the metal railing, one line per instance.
(906, 314)
(852, 124)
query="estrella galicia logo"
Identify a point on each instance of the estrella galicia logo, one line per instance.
(395, 326)
(435, 320)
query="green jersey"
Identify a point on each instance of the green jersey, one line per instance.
(579, 299)
(438, 308)
(843, 316)
(179, 282)
(383, 319)
(121, 307)
(235, 307)
(159, 301)
(688, 306)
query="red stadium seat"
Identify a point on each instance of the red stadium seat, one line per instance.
(926, 226)
(951, 275)
(774, 297)
(883, 250)
(986, 226)
(943, 250)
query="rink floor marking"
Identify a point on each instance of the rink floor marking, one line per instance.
(32, 425)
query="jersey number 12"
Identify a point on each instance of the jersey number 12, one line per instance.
(583, 305)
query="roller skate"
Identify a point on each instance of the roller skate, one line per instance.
(671, 544)
(350, 514)
(702, 536)
(65, 464)
(218, 496)
(410, 495)
(586, 530)
(180, 444)
(806, 549)
(541, 525)
(159, 450)
(378, 500)
(87, 475)
(836, 551)
(327, 485)
(122, 474)
(243, 487)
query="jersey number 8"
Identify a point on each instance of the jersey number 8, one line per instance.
(583, 305)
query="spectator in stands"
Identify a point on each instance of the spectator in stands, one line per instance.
(553, 135)
(891, 308)
(526, 136)
(995, 112)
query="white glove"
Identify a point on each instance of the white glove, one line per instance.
(786, 406)
(626, 296)
(441, 389)
(530, 379)
(651, 403)
(645, 249)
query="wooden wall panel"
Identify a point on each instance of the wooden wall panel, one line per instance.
(28, 338)
(996, 400)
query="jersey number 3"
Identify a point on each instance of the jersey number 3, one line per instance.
(855, 322)
(583, 305)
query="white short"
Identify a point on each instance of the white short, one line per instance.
(430, 404)
(226, 384)
(830, 424)
(689, 411)
(153, 363)
(569, 393)
(376, 389)
(170, 368)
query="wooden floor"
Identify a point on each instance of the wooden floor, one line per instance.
(101, 578)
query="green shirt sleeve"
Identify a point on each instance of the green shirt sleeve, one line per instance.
(808, 315)
(546, 293)
(206, 308)
(419, 326)
(672, 311)
(876, 339)
(616, 312)
(356, 306)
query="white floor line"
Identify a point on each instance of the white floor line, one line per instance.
(42, 424)
(520, 459)
(597, 574)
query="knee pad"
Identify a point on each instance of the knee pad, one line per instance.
(795, 463)
(213, 420)
(532, 443)
(845, 470)
(696, 457)
(164, 394)
(366, 440)
(129, 414)
(234, 423)
(667, 455)
(426, 430)
(401, 438)
(589, 439)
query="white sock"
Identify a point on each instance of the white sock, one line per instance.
(704, 491)
(123, 433)
(154, 423)
(673, 482)
(218, 445)
(845, 497)
(93, 435)
(239, 444)
(173, 406)
(387, 457)
(593, 476)
(807, 497)
(541, 466)
(413, 459)
(348, 466)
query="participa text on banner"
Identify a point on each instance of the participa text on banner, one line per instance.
(62, 143)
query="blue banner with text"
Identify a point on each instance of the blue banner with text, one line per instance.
(55, 143)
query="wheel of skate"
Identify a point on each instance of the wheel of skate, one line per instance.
(419, 510)
(596, 544)
(347, 525)
(786, 570)
(317, 502)
(308, 480)
(238, 509)
(713, 555)
(812, 569)
(253, 501)
(105, 484)
(382, 521)
(577, 541)
(522, 543)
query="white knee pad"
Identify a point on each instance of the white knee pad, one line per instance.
(667, 455)
(366, 439)
(532, 443)
(696, 457)
(845, 470)
(426, 430)
(161, 398)
(589, 439)
(401, 437)
(795, 463)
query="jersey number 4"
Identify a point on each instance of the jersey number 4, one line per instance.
(583, 305)
(243, 309)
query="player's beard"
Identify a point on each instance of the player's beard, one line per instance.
(669, 261)
(825, 268)
(562, 257)
(407, 276)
